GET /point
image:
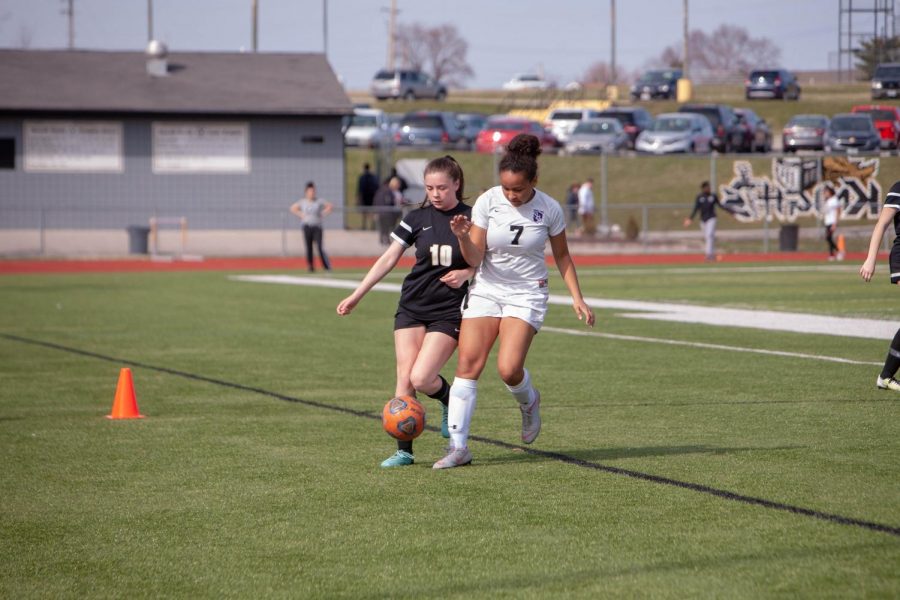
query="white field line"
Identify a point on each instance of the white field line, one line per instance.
(635, 338)
(680, 313)
(613, 270)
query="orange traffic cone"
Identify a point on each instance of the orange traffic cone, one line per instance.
(125, 405)
(841, 243)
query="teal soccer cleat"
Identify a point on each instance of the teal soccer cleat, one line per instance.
(445, 427)
(401, 458)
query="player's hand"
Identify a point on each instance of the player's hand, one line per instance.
(584, 313)
(867, 270)
(686, 222)
(460, 225)
(347, 305)
(455, 279)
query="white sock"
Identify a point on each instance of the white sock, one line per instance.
(523, 392)
(463, 396)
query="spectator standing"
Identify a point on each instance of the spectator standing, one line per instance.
(388, 201)
(572, 204)
(832, 210)
(705, 204)
(366, 186)
(311, 210)
(586, 207)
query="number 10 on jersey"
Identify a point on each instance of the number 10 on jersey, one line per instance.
(441, 255)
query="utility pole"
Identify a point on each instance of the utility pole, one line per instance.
(612, 37)
(69, 11)
(392, 26)
(255, 17)
(325, 28)
(149, 20)
(684, 49)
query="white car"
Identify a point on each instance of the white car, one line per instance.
(676, 132)
(367, 128)
(526, 82)
(562, 121)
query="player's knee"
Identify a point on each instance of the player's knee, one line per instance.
(421, 381)
(511, 374)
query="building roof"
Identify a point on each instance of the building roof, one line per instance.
(197, 82)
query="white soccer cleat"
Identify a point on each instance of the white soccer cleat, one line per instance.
(531, 419)
(456, 457)
(887, 384)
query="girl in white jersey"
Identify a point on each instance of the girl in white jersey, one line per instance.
(505, 239)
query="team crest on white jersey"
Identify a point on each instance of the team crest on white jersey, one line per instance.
(537, 216)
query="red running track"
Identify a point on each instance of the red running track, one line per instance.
(132, 265)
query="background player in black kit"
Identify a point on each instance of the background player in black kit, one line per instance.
(889, 213)
(426, 325)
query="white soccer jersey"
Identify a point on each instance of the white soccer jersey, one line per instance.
(516, 237)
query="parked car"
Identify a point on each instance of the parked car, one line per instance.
(472, 124)
(676, 132)
(772, 83)
(500, 129)
(562, 121)
(804, 132)
(656, 84)
(367, 128)
(887, 121)
(429, 128)
(852, 132)
(886, 81)
(757, 134)
(407, 84)
(525, 82)
(727, 134)
(633, 119)
(597, 136)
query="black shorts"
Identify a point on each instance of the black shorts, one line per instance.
(895, 263)
(445, 325)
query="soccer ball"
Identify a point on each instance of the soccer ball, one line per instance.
(403, 418)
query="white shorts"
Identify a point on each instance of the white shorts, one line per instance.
(486, 301)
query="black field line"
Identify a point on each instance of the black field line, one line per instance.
(564, 458)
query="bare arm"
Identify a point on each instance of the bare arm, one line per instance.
(327, 209)
(884, 219)
(560, 247)
(295, 208)
(384, 265)
(472, 239)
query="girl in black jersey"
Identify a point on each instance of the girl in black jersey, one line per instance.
(426, 325)
(889, 213)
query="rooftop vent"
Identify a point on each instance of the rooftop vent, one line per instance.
(157, 64)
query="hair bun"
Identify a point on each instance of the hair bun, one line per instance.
(526, 144)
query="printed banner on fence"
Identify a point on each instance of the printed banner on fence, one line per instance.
(795, 189)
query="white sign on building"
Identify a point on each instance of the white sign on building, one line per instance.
(201, 147)
(79, 146)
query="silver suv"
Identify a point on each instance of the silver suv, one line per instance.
(406, 84)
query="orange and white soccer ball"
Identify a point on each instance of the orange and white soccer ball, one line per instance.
(403, 418)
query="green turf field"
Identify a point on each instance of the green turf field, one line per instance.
(662, 471)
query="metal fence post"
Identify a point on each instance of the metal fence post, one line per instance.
(645, 224)
(603, 193)
(284, 234)
(766, 230)
(43, 232)
(712, 170)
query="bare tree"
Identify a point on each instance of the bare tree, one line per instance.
(439, 50)
(728, 50)
(600, 73)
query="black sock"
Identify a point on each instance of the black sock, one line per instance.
(892, 362)
(405, 446)
(443, 394)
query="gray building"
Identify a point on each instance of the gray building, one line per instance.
(92, 143)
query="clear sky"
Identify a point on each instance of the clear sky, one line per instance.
(562, 37)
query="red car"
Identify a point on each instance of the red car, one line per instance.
(498, 132)
(887, 122)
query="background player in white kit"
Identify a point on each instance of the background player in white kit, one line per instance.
(505, 238)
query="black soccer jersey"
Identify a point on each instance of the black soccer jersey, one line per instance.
(892, 200)
(437, 252)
